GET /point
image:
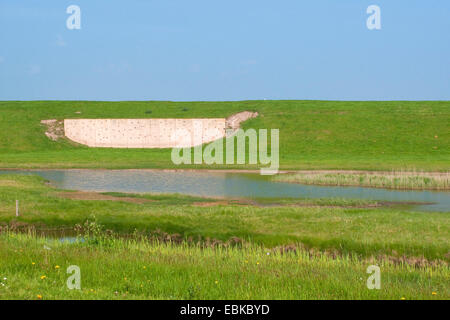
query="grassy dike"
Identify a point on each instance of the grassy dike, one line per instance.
(313, 134)
(127, 269)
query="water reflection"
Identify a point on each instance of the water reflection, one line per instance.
(220, 184)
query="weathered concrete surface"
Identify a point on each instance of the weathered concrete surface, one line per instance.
(144, 133)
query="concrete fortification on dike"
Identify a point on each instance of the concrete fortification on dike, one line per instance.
(150, 133)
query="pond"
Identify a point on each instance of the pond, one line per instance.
(224, 184)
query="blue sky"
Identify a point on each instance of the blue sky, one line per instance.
(224, 50)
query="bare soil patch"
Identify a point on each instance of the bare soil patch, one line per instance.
(234, 121)
(211, 204)
(55, 129)
(81, 195)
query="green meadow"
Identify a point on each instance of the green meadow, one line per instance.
(35, 268)
(313, 134)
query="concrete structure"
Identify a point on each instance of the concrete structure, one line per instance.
(144, 133)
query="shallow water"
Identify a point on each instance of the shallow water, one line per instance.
(228, 185)
(71, 239)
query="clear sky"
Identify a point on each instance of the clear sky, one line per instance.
(224, 50)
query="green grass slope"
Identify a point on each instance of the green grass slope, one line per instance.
(313, 134)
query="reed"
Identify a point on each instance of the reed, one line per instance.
(392, 180)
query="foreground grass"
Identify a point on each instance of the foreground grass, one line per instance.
(313, 134)
(394, 180)
(35, 268)
(355, 230)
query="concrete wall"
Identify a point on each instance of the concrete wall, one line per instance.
(144, 133)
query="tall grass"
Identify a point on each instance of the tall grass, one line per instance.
(112, 268)
(393, 180)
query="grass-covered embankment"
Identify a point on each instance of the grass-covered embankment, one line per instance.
(313, 134)
(393, 180)
(322, 224)
(35, 268)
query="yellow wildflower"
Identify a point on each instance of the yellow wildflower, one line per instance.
(43, 277)
(39, 296)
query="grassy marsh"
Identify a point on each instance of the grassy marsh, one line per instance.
(344, 226)
(180, 247)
